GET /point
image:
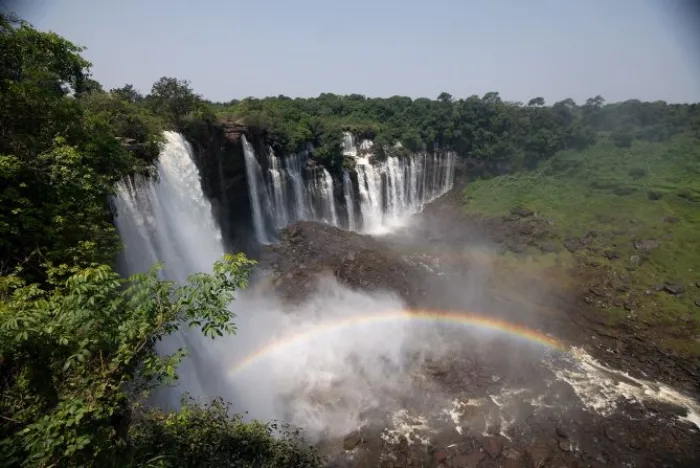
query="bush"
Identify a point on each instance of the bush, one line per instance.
(622, 139)
(206, 436)
(637, 173)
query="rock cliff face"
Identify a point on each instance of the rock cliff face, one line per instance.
(219, 156)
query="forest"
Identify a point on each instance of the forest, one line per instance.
(77, 341)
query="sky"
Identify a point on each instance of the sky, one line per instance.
(620, 49)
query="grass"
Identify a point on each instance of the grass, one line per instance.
(622, 195)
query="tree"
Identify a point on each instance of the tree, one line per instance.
(73, 357)
(538, 102)
(445, 97)
(127, 93)
(57, 162)
(173, 98)
(622, 139)
(207, 436)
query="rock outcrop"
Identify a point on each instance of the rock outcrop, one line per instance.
(219, 156)
(307, 249)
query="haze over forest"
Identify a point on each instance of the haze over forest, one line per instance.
(627, 49)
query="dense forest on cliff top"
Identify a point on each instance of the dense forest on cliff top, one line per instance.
(77, 341)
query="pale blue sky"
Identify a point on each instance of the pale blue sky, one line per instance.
(621, 49)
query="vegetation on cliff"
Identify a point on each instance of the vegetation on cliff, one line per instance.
(77, 341)
(495, 135)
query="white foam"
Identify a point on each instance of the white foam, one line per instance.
(413, 428)
(602, 389)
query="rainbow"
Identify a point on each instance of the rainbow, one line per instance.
(465, 319)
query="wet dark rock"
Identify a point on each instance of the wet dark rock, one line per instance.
(511, 463)
(468, 460)
(561, 432)
(308, 250)
(488, 464)
(564, 446)
(351, 440)
(615, 434)
(539, 455)
(440, 457)
(492, 446)
(674, 288)
(511, 453)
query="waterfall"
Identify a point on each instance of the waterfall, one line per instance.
(369, 180)
(349, 195)
(278, 182)
(170, 220)
(257, 191)
(302, 203)
(349, 148)
(323, 193)
(393, 189)
(286, 195)
(389, 190)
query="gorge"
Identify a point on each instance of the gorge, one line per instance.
(341, 280)
(320, 363)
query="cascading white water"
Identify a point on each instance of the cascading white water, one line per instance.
(349, 148)
(390, 190)
(397, 187)
(257, 191)
(369, 181)
(302, 203)
(286, 196)
(170, 220)
(349, 195)
(278, 181)
(323, 192)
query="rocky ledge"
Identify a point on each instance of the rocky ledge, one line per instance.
(308, 249)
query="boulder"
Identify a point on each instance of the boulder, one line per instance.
(469, 460)
(352, 440)
(646, 245)
(674, 288)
